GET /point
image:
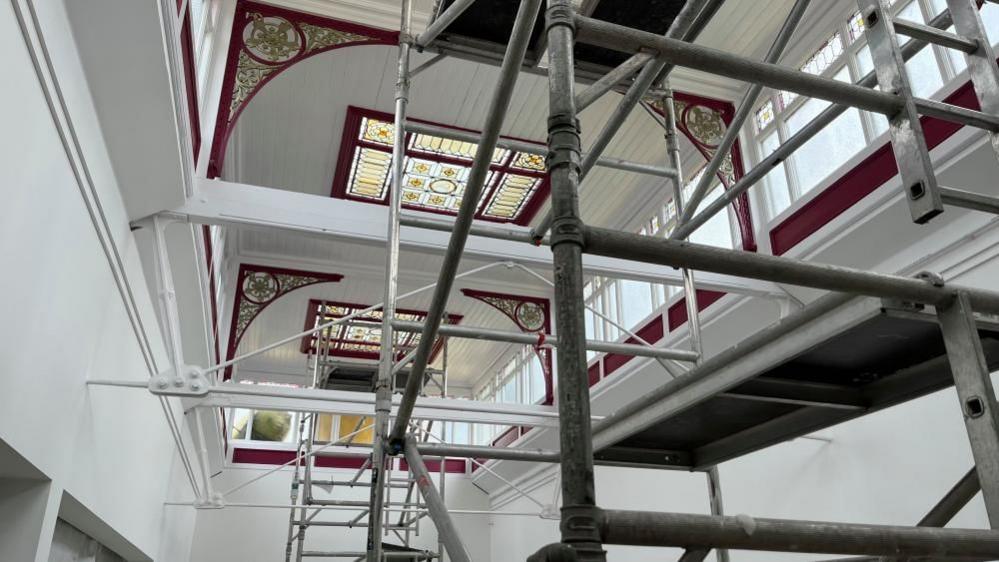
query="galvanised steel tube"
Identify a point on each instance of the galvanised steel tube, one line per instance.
(601, 241)
(649, 74)
(611, 79)
(477, 333)
(746, 107)
(817, 125)
(496, 232)
(579, 511)
(435, 504)
(479, 452)
(714, 61)
(954, 501)
(445, 19)
(941, 513)
(618, 424)
(640, 528)
(689, 289)
(531, 148)
(517, 47)
(384, 382)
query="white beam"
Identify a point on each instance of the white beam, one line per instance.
(345, 402)
(242, 205)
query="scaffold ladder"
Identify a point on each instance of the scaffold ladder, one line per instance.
(926, 198)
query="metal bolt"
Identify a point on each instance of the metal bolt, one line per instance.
(178, 382)
(196, 386)
(162, 383)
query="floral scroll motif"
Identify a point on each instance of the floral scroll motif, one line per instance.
(272, 39)
(531, 315)
(265, 41)
(704, 123)
(270, 43)
(259, 286)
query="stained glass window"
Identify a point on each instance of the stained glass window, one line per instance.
(856, 26)
(362, 341)
(765, 115)
(825, 56)
(437, 171)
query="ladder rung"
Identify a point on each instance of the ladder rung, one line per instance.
(348, 524)
(969, 200)
(344, 503)
(955, 114)
(935, 36)
(388, 554)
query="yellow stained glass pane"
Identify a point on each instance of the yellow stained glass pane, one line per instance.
(324, 428)
(381, 132)
(368, 174)
(511, 195)
(525, 161)
(453, 148)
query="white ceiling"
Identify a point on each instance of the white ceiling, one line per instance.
(363, 267)
(289, 135)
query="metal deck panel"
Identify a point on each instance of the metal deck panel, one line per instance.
(487, 23)
(871, 357)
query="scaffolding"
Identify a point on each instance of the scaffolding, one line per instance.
(585, 527)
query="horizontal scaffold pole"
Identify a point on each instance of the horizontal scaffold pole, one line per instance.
(601, 241)
(683, 530)
(532, 148)
(476, 333)
(480, 452)
(681, 53)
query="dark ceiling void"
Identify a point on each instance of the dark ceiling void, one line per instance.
(492, 21)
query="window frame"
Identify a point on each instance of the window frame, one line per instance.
(796, 193)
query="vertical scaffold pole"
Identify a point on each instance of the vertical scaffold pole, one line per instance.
(978, 398)
(513, 58)
(717, 507)
(689, 289)
(383, 386)
(579, 512)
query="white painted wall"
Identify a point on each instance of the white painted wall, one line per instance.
(64, 234)
(890, 468)
(260, 534)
